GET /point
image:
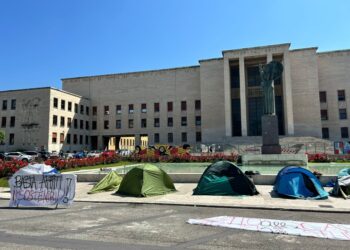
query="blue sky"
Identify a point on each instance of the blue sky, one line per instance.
(44, 41)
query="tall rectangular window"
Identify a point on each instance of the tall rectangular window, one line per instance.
(143, 108)
(62, 121)
(198, 136)
(76, 108)
(54, 137)
(170, 106)
(323, 96)
(198, 121)
(106, 124)
(131, 123)
(183, 106)
(118, 109)
(81, 139)
(197, 104)
(81, 124)
(183, 121)
(156, 122)
(61, 138)
(170, 122)
(55, 102)
(131, 108)
(75, 121)
(82, 109)
(156, 138)
(118, 124)
(13, 104)
(69, 122)
(341, 95)
(170, 138)
(87, 125)
(86, 140)
(68, 139)
(4, 105)
(87, 110)
(69, 106)
(344, 132)
(106, 110)
(12, 121)
(324, 114)
(253, 76)
(94, 110)
(143, 123)
(75, 138)
(234, 76)
(54, 120)
(94, 125)
(12, 139)
(63, 104)
(184, 137)
(342, 114)
(156, 107)
(3, 122)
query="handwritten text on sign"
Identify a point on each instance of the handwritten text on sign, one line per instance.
(42, 190)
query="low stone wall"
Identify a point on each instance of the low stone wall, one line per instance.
(275, 159)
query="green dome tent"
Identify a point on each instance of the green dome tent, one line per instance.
(146, 180)
(110, 182)
(224, 178)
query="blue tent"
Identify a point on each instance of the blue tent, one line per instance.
(298, 182)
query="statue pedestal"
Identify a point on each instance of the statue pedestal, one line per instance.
(270, 140)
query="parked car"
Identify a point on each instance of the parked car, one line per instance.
(19, 156)
(124, 152)
(108, 153)
(2, 156)
(94, 154)
(34, 154)
(79, 155)
(44, 155)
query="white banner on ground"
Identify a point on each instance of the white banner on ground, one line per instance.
(42, 190)
(300, 228)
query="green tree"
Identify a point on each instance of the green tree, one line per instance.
(2, 136)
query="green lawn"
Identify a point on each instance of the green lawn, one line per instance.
(121, 163)
(4, 182)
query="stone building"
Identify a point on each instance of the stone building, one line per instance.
(217, 101)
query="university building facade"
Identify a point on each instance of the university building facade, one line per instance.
(217, 101)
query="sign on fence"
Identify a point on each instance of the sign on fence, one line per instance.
(42, 190)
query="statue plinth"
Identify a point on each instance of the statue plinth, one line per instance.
(270, 139)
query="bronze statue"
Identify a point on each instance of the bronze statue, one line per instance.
(268, 73)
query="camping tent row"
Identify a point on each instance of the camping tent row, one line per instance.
(221, 178)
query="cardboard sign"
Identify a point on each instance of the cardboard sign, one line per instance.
(301, 228)
(42, 190)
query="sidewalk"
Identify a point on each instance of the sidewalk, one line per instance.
(265, 200)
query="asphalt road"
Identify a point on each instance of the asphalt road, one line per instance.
(124, 226)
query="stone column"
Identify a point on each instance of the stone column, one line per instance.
(243, 96)
(287, 96)
(269, 57)
(227, 92)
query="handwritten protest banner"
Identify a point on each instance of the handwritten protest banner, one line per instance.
(301, 228)
(42, 190)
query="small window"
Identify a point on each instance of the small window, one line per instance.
(106, 124)
(170, 106)
(131, 108)
(341, 95)
(76, 108)
(94, 125)
(13, 104)
(118, 124)
(86, 140)
(131, 123)
(170, 122)
(54, 120)
(184, 137)
(62, 121)
(61, 138)
(63, 104)
(118, 109)
(197, 104)
(12, 139)
(75, 123)
(324, 114)
(198, 121)
(156, 107)
(54, 137)
(75, 139)
(94, 110)
(344, 132)
(3, 122)
(143, 123)
(87, 110)
(87, 125)
(81, 140)
(198, 136)
(68, 139)
(81, 124)
(170, 138)
(82, 109)
(12, 121)
(106, 110)
(184, 121)
(323, 96)
(156, 138)
(143, 108)
(183, 106)
(69, 106)
(69, 122)
(156, 122)
(342, 114)
(55, 103)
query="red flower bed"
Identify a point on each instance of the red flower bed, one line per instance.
(7, 168)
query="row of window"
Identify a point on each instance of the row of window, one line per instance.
(69, 122)
(341, 96)
(156, 122)
(183, 137)
(344, 132)
(70, 139)
(4, 121)
(13, 104)
(143, 108)
(342, 114)
(83, 109)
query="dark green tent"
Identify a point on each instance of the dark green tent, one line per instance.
(224, 178)
(110, 182)
(146, 180)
